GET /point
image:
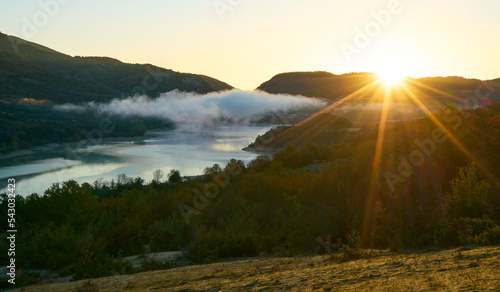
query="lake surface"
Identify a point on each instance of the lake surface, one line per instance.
(190, 152)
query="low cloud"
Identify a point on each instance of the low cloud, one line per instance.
(195, 109)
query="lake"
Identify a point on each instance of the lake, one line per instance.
(189, 151)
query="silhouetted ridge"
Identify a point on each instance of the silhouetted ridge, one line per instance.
(30, 70)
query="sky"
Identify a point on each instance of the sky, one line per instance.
(246, 42)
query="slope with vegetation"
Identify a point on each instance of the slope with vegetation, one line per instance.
(272, 207)
(28, 125)
(364, 86)
(317, 84)
(34, 77)
(29, 70)
(323, 129)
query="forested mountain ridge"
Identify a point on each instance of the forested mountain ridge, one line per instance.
(432, 90)
(32, 71)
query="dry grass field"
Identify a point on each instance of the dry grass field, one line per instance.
(461, 269)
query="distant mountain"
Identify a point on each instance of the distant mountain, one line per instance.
(30, 70)
(436, 90)
(317, 84)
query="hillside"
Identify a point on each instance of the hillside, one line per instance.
(431, 90)
(364, 196)
(30, 70)
(317, 84)
(451, 270)
(323, 129)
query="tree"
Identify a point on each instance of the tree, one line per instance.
(234, 166)
(211, 171)
(469, 195)
(123, 179)
(157, 176)
(174, 176)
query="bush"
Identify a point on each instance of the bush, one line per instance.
(348, 253)
(352, 250)
(474, 231)
(489, 237)
(469, 196)
(201, 253)
(93, 266)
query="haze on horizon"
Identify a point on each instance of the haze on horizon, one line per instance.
(245, 43)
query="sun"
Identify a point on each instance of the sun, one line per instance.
(391, 70)
(390, 77)
(391, 66)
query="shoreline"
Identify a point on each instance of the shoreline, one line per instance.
(61, 146)
(267, 151)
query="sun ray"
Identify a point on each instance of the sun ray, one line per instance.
(462, 148)
(420, 84)
(363, 90)
(342, 101)
(375, 174)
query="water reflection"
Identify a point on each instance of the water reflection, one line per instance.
(188, 151)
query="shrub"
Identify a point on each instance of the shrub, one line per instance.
(93, 266)
(469, 196)
(489, 237)
(474, 231)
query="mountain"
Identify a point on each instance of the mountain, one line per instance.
(317, 84)
(32, 71)
(432, 90)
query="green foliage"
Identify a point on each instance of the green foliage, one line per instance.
(348, 253)
(475, 231)
(352, 250)
(270, 207)
(138, 130)
(29, 125)
(164, 234)
(327, 85)
(33, 71)
(174, 176)
(92, 265)
(469, 195)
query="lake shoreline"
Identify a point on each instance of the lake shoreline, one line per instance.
(58, 147)
(87, 160)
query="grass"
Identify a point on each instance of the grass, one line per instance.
(451, 270)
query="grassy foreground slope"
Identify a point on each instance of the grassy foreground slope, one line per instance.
(450, 270)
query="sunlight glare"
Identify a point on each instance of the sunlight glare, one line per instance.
(391, 63)
(390, 77)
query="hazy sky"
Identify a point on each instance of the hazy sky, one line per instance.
(246, 42)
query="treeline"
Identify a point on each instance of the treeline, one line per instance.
(369, 194)
(26, 126)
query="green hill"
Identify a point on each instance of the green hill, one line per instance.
(431, 90)
(323, 129)
(30, 70)
(317, 84)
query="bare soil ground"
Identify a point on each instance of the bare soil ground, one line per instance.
(462, 269)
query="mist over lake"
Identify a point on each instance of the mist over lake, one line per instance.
(190, 152)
